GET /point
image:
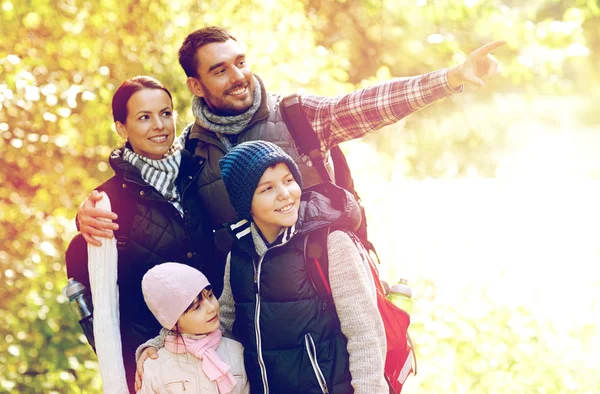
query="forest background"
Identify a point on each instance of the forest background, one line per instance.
(487, 202)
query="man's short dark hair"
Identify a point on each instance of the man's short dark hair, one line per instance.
(196, 40)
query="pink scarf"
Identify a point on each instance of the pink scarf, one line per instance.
(204, 349)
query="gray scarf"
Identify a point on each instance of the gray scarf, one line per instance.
(230, 125)
(160, 174)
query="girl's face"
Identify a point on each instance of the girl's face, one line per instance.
(202, 316)
(149, 127)
(276, 201)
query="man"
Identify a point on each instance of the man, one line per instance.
(231, 105)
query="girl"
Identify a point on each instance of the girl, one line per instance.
(293, 343)
(195, 358)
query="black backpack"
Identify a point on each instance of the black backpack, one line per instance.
(308, 145)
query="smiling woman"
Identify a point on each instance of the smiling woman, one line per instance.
(143, 114)
(150, 130)
(159, 219)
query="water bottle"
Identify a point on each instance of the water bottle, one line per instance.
(81, 304)
(401, 296)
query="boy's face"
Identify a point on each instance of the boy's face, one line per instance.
(276, 201)
(202, 317)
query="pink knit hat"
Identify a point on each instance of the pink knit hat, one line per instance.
(169, 289)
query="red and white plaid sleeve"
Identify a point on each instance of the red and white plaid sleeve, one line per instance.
(346, 117)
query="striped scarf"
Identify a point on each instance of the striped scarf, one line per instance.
(226, 125)
(160, 174)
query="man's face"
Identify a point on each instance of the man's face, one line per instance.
(225, 79)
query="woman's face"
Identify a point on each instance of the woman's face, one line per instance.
(202, 317)
(149, 127)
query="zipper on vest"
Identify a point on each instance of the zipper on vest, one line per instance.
(261, 362)
(312, 355)
(255, 279)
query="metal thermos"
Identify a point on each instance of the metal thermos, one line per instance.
(81, 304)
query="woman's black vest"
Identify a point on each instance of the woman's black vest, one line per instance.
(151, 232)
(294, 323)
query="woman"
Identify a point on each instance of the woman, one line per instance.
(160, 219)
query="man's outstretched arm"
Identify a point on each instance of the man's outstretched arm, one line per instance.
(90, 223)
(350, 116)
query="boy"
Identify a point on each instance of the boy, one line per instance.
(294, 342)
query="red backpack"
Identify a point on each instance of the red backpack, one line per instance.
(400, 358)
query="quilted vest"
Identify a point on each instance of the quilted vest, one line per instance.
(152, 232)
(267, 125)
(289, 335)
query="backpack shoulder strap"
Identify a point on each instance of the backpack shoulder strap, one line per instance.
(302, 132)
(123, 207)
(308, 144)
(317, 264)
(76, 258)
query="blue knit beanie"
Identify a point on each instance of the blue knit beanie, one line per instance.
(244, 165)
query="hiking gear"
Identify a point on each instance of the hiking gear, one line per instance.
(400, 355)
(401, 296)
(81, 303)
(308, 145)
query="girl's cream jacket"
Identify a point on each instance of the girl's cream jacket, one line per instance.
(182, 373)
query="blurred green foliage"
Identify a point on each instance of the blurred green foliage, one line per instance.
(482, 347)
(61, 61)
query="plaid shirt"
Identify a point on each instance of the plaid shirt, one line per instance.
(346, 117)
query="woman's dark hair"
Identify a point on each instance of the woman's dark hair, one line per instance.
(196, 40)
(127, 89)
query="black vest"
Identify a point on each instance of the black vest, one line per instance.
(267, 125)
(276, 304)
(152, 232)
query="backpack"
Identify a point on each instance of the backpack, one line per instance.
(308, 145)
(76, 256)
(400, 357)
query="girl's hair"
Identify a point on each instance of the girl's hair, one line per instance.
(127, 89)
(201, 296)
(198, 298)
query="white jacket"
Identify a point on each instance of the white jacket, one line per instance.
(182, 373)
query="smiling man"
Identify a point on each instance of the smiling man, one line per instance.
(231, 105)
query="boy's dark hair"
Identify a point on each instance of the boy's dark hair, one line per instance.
(196, 40)
(244, 165)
